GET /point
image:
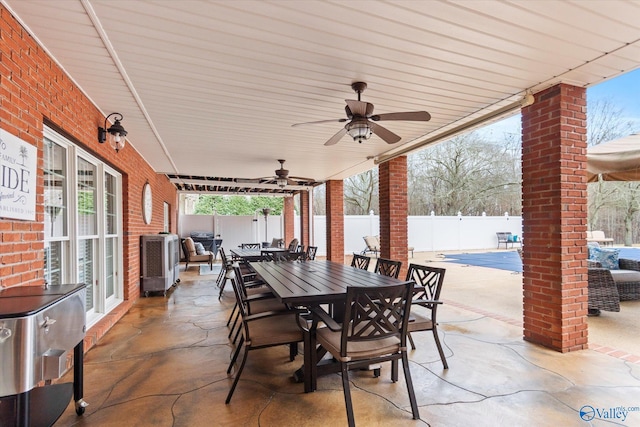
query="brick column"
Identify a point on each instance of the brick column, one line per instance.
(288, 220)
(335, 220)
(554, 205)
(304, 218)
(394, 208)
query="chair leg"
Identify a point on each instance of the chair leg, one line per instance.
(347, 394)
(222, 273)
(235, 338)
(235, 381)
(293, 351)
(235, 355)
(221, 290)
(235, 307)
(394, 370)
(412, 394)
(233, 327)
(437, 339)
(413, 346)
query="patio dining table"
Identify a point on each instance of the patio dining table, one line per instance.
(252, 255)
(313, 283)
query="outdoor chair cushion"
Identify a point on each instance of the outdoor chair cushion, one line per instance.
(330, 340)
(620, 276)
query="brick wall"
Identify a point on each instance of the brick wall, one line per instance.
(34, 91)
(304, 218)
(394, 208)
(335, 220)
(288, 220)
(554, 218)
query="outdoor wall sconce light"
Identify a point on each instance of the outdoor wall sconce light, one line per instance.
(115, 134)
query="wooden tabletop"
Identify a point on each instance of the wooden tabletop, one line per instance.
(315, 282)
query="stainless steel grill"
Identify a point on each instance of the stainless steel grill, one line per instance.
(38, 328)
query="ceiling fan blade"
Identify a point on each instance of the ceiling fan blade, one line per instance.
(296, 180)
(319, 122)
(384, 133)
(415, 116)
(337, 137)
(360, 108)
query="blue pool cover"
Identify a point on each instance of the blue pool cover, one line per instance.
(510, 260)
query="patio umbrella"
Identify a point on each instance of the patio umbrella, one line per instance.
(617, 160)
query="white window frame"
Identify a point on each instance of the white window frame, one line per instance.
(102, 304)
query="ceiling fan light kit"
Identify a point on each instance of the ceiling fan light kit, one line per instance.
(361, 120)
(359, 131)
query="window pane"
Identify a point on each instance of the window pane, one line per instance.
(53, 261)
(55, 192)
(85, 269)
(110, 204)
(110, 266)
(87, 225)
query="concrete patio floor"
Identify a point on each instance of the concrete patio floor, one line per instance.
(164, 364)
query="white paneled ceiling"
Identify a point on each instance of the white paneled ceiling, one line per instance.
(211, 88)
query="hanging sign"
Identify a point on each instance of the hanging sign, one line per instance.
(18, 172)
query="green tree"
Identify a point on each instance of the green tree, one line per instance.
(237, 205)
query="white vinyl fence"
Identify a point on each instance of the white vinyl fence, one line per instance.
(426, 233)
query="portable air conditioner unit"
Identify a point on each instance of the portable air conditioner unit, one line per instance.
(160, 262)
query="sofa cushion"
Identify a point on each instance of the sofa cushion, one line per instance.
(191, 247)
(608, 258)
(620, 276)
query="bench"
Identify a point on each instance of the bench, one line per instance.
(506, 237)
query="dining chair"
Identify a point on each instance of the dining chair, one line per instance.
(374, 330)
(261, 330)
(250, 246)
(293, 245)
(311, 253)
(360, 261)
(426, 299)
(388, 267)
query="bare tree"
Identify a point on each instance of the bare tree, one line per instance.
(466, 174)
(613, 206)
(361, 193)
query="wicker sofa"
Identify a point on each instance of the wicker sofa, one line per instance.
(626, 278)
(603, 292)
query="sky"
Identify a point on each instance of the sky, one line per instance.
(622, 91)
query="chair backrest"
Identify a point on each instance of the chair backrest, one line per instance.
(293, 246)
(250, 245)
(428, 280)
(360, 261)
(276, 243)
(372, 242)
(241, 295)
(503, 236)
(185, 251)
(375, 313)
(189, 247)
(388, 267)
(267, 256)
(311, 253)
(223, 256)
